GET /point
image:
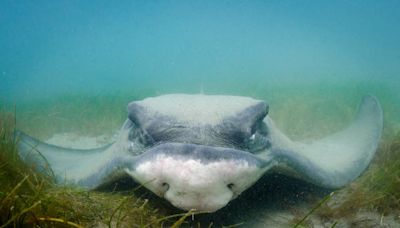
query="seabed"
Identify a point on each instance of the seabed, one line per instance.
(28, 198)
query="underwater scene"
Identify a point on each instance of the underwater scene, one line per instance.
(200, 113)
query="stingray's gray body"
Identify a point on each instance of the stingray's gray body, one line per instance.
(200, 151)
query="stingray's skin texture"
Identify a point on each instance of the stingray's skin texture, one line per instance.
(200, 152)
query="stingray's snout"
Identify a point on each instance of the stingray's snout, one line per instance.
(194, 176)
(189, 184)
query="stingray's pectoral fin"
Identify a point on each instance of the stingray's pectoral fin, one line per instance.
(338, 159)
(86, 168)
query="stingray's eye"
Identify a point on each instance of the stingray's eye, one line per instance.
(137, 135)
(131, 147)
(257, 142)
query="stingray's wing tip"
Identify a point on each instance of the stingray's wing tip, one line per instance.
(338, 159)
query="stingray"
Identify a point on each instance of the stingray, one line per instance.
(202, 151)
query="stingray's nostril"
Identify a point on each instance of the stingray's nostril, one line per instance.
(230, 185)
(165, 186)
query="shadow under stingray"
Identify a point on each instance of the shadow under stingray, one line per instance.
(271, 193)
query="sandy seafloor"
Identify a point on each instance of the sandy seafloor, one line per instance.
(88, 121)
(274, 201)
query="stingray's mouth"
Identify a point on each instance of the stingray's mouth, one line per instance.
(195, 176)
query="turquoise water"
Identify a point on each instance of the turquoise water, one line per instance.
(50, 48)
(286, 52)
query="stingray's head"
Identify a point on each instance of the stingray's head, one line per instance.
(196, 177)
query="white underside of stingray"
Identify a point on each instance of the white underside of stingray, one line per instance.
(200, 151)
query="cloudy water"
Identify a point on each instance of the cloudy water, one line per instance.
(49, 48)
(73, 66)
